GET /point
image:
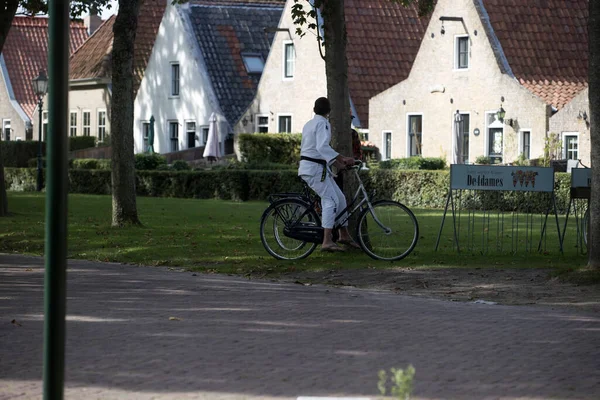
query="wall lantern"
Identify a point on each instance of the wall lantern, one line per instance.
(501, 113)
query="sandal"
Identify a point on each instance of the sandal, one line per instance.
(350, 243)
(332, 249)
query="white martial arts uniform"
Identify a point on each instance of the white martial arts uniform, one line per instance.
(316, 136)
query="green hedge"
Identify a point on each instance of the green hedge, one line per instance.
(426, 189)
(426, 163)
(148, 162)
(279, 148)
(17, 154)
(90, 163)
(81, 142)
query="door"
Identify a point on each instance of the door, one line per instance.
(495, 142)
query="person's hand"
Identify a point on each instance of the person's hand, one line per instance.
(348, 161)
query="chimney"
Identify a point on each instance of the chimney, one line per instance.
(92, 22)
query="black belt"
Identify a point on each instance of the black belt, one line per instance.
(318, 161)
(315, 160)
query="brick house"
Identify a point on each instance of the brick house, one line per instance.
(24, 55)
(382, 40)
(90, 84)
(477, 57)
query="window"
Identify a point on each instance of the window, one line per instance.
(44, 125)
(526, 144)
(190, 130)
(101, 125)
(145, 135)
(204, 134)
(289, 62)
(495, 138)
(571, 146)
(463, 129)
(415, 133)
(87, 125)
(174, 135)
(6, 129)
(387, 145)
(73, 123)
(262, 124)
(462, 52)
(254, 63)
(175, 79)
(285, 123)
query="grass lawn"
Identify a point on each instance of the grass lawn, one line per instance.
(223, 236)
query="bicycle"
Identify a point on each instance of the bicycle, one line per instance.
(290, 227)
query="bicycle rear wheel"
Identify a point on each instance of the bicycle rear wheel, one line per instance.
(287, 213)
(389, 231)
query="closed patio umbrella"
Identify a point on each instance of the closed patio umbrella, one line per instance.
(457, 153)
(151, 135)
(211, 150)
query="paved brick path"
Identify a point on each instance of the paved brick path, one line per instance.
(239, 339)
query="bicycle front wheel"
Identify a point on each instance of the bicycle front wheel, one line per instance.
(287, 213)
(388, 231)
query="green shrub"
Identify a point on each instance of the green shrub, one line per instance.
(180, 165)
(427, 189)
(485, 160)
(258, 166)
(81, 142)
(32, 163)
(17, 154)
(426, 163)
(279, 148)
(148, 162)
(91, 163)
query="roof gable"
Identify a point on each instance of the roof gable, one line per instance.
(224, 31)
(383, 40)
(93, 58)
(25, 54)
(545, 43)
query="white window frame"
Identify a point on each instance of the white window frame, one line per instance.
(4, 126)
(258, 126)
(172, 93)
(285, 60)
(187, 132)
(456, 52)
(83, 125)
(44, 125)
(408, 115)
(454, 133)
(98, 126)
(486, 139)
(279, 122)
(522, 141)
(73, 128)
(564, 144)
(384, 147)
(170, 123)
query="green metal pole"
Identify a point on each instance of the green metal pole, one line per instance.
(56, 200)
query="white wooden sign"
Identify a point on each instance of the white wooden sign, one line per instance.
(501, 178)
(581, 177)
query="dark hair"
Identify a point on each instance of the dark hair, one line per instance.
(322, 106)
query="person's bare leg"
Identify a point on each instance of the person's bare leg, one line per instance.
(328, 238)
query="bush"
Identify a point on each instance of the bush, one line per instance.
(279, 148)
(427, 189)
(17, 154)
(91, 163)
(484, 160)
(81, 142)
(147, 162)
(257, 166)
(180, 165)
(426, 163)
(32, 163)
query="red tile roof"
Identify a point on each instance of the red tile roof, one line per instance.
(545, 44)
(92, 59)
(383, 41)
(25, 54)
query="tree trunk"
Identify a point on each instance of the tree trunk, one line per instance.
(594, 98)
(8, 9)
(336, 70)
(124, 208)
